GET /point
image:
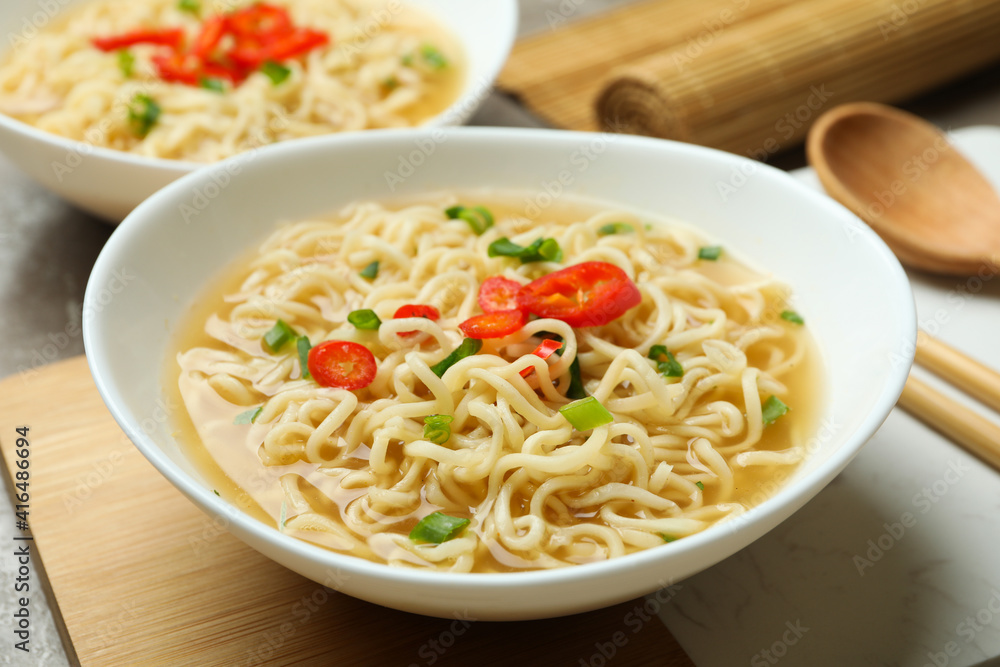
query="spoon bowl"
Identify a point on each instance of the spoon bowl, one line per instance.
(902, 176)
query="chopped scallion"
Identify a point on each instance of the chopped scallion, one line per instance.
(437, 528)
(667, 538)
(248, 417)
(278, 336)
(700, 485)
(276, 72)
(303, 345)
(478, 217)
(772, 408)
(216, 493)
(615, 228)
(466, 348)
(143, 112)
(437, 428)
(191, 6)
(710, 252)
(575, 389)
(792, 316)
(126, 63)
(585, 414)
(371, 271)
(433, 57)
(215, 85)
(541, 250)
(390, 83)
(364, 319)
(666, 362)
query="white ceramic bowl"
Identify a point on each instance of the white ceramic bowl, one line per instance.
(849, 287)
(111, 183)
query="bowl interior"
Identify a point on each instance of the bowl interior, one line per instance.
(173, 244)
(111, 183)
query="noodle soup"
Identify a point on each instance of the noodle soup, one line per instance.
(201, 80)
(669, 388)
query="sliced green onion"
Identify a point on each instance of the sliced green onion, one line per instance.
(126, 63)
(700, 485)
(215, 85)
(772, 408)
(587, 413)
(143, 112)
(478, 217)
(248, 417)
(667, 538)
(407, 60)
(278, 336)
(364, 319)
(437, 528)
(666, 362)
(192, 6)
(466, 348)
(615, 228)
(371, 271)
(276, 72)
(390, 83)
(541, 250)
(433, 57)
(216, 493)
(437, 428)
(792, 316)
(710, 252)
(575, 389)
(303, 345)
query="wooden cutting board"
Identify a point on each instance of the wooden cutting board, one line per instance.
(141, 577)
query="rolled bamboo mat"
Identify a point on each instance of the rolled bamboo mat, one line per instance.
(758, 85)
(559, 72)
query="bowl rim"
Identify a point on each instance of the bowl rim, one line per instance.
(767, 513)
(472, 93)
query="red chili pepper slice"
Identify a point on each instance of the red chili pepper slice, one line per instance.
(498, 293)
(176, 68)
(211, 34)
(416, 310)
(544, 350)
(172, 37)
(259, 21)
(279, 47)
(583, 295)
(494, 325)
(342, 364)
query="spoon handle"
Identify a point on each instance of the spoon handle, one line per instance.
(969, 429)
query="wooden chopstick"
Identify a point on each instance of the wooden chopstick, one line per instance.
(954, 420)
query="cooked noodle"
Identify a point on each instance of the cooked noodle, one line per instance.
(370, 75)
(351, 469)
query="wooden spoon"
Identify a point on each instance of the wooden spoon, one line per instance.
(901, 175)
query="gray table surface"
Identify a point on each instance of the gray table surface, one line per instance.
(47, 249)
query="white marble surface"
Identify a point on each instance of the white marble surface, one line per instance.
(798, 582)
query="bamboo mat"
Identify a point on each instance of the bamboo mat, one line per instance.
(140, 576)
(741, 75)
